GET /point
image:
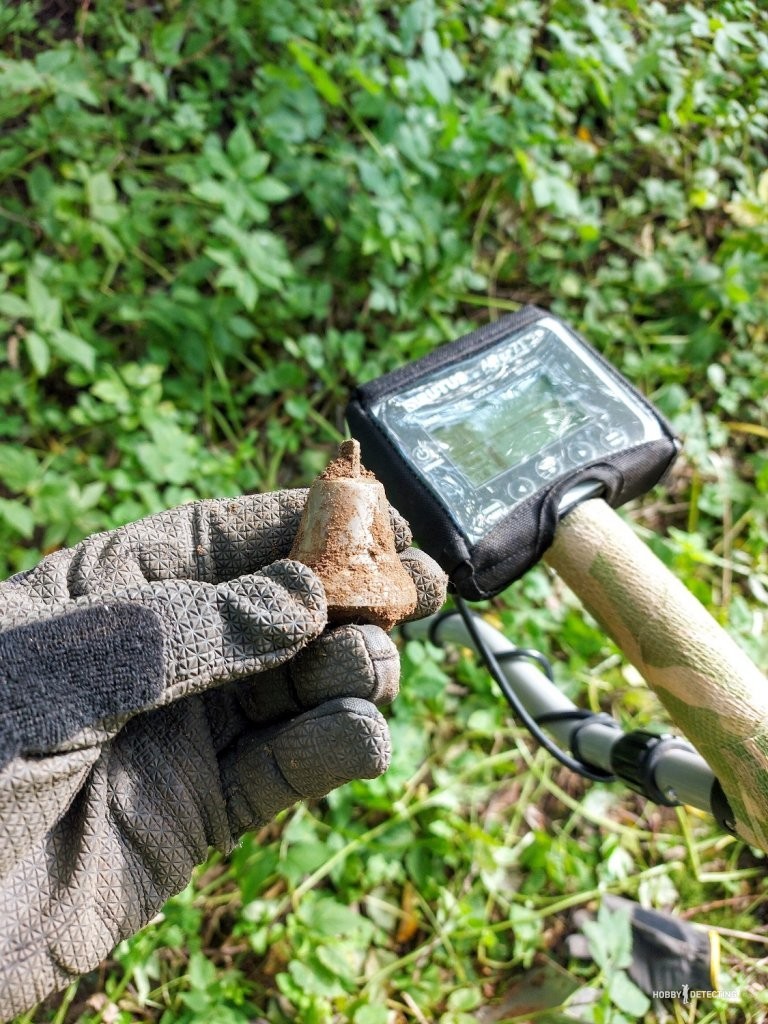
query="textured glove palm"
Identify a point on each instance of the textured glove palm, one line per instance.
(164, 688)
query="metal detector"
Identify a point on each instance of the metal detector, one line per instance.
(516, 443)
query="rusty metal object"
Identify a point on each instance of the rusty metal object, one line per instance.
(345, 537)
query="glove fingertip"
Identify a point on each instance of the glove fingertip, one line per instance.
(343, 740)
(304, 602)
(269, 616)
(320, 750)
(431, 582)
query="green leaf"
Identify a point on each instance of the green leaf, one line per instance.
(263, 252)
(314, 979)
(167, 40)
(169, 458)
(297, 406)
(241, 281)
(210, 190)
(90, 495)
(551, 190)
(112, 391)
(102, 198)
(40, 185)
(131, 47)
(14, 306)
(18, 517)
(370, 85)
(19, 76)
(38, 352)
(432, 77)
(371, 1015)
(610, 938)
(342, 959)
(45, 307)
(321, 80)
(253, 166)
(280, 376)
(627, 996)
(328, 917)
(200, 971)
(65, 69)
(464, 999)
(148, 75)
(241, 147)
(73, 349)
(269, 190)
(650, 276)
(18, 467)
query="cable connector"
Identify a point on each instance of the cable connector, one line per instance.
(635, 756)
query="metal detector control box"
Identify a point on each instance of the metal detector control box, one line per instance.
(478, 442)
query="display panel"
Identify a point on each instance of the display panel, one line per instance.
(502, 434)
(490, 430)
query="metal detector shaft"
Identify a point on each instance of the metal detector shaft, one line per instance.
(678, 773)
(711, 689)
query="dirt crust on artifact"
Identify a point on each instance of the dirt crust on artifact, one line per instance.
(347, 464)
(345, 537)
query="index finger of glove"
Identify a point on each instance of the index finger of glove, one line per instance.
(212, 541)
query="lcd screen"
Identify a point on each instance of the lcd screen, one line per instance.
(507, 430)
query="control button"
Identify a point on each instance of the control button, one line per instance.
(423, 453)
(428, 459)
(581, 452)
(520, 488)
(547, 467)
(492, 514)
(614, 438)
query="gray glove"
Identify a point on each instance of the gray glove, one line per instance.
(164, 688)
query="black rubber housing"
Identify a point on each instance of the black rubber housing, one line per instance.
(483, 569)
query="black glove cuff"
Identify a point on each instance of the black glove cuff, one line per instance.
(60, 675)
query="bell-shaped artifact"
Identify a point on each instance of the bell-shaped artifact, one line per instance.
(345, 537)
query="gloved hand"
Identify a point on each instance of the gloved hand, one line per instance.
(164, 688)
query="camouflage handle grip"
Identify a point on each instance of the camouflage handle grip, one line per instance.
(712, 690)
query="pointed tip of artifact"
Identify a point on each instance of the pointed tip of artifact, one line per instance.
(347, 462)
(349, 452)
